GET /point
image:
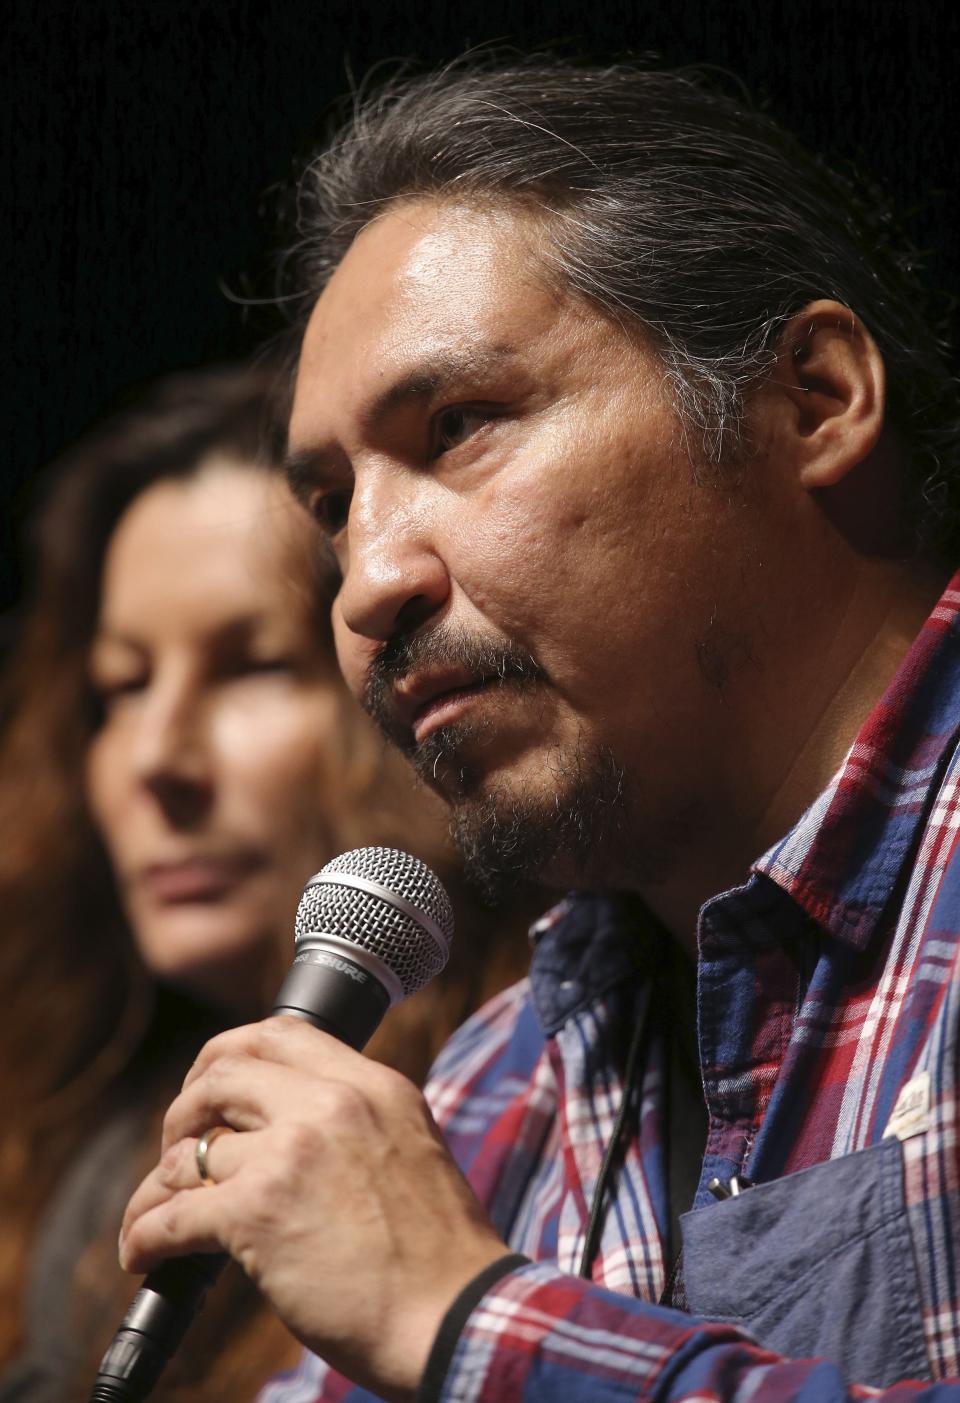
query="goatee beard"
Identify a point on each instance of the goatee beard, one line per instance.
(507, 836)
(567, 836)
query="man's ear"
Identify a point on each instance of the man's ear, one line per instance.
(826, 393)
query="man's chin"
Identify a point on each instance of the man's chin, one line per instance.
(461, 761)
(565, 826)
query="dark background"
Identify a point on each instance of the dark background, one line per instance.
(142, 137)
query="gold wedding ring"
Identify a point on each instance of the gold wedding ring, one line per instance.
(203, 1149)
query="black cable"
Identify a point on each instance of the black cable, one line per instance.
(592, 1241)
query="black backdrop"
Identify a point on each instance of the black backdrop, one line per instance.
(143, 133)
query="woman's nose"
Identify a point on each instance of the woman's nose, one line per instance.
(172, 755)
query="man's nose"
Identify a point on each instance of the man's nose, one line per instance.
(395, 577)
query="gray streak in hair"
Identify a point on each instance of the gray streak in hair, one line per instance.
(674, 207)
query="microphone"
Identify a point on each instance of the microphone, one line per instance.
(372, 927)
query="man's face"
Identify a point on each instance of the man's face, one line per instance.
(533, 580)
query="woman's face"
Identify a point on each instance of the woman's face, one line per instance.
(218, 701)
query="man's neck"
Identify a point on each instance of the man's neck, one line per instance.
(796, 747)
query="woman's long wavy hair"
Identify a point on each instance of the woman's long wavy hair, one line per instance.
(84, 1028)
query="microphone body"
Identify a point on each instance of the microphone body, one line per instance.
(373, 926)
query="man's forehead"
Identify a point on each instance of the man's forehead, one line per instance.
(428, 269)
(424, 296)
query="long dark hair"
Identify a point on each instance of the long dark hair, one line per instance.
(676, 208)
(86, 1030)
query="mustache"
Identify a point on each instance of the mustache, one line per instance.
(487, 659)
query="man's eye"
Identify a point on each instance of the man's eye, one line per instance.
(331, 510)
(451, 426)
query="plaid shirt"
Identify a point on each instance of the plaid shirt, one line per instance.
(828, 1009)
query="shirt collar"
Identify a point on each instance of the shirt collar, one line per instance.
(840, 863)
(588, 943)
(843, 859)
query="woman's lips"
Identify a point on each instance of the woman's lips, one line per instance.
(193, 879)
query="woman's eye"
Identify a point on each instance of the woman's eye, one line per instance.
(257, 666)
(110, 697)
(452, 426)
(106, 692)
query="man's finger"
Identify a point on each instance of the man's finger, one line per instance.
(286, 1041)
(201, 1153)
(178, 1170)
(238, 1090)
(248, 1091)
(178, 1225)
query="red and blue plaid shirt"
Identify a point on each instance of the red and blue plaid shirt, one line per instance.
(828, 1012)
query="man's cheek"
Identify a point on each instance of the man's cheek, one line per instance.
(354, 653)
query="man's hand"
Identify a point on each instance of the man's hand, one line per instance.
(337, 1197)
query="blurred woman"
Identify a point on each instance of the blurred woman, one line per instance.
(178, 756)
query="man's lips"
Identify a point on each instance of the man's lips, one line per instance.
(424, 702)
(446, 708)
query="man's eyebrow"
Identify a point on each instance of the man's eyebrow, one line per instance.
(437, 374)
(431, 377)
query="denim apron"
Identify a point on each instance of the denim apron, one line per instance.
(817, 1263)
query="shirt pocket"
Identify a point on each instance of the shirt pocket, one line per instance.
(819, 1263)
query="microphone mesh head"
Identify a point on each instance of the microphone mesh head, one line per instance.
(406, 945)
